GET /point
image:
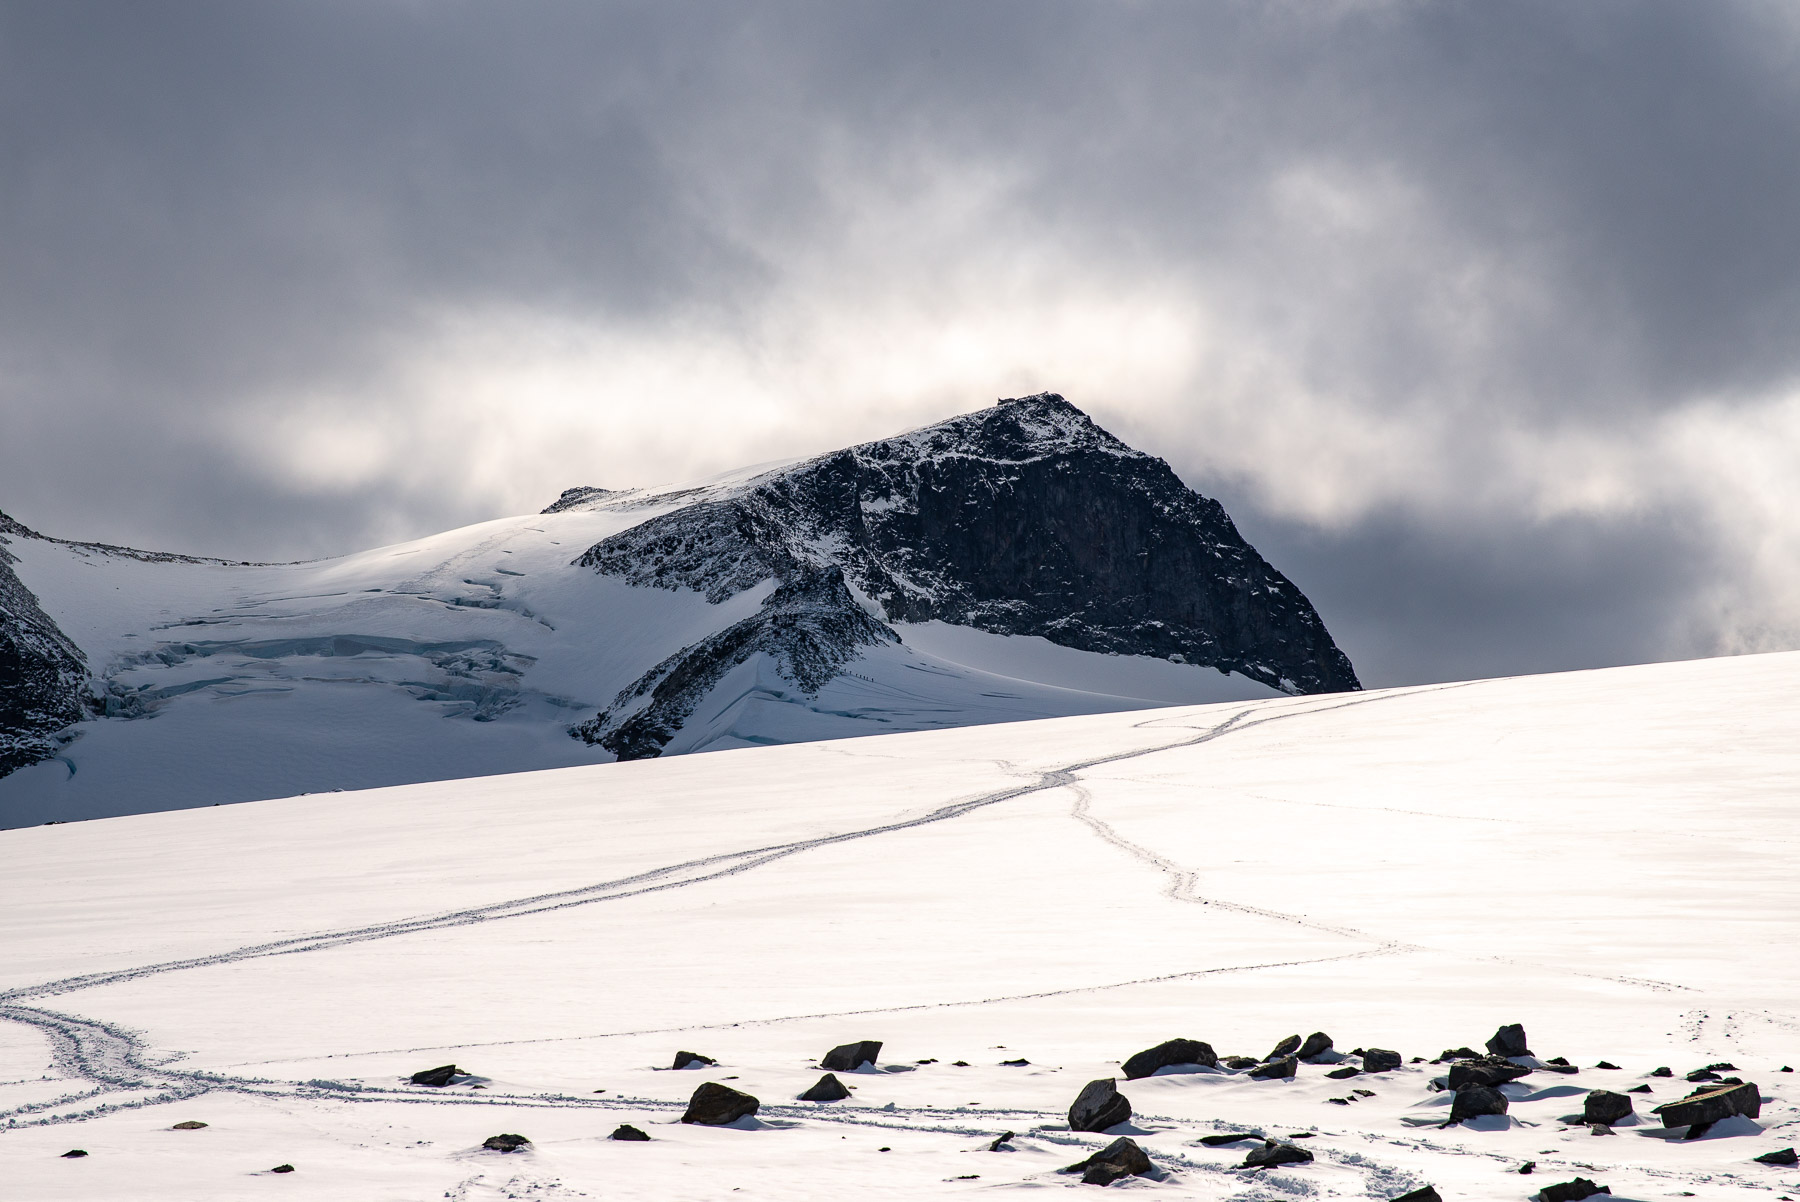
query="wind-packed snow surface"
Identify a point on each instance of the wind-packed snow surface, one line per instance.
(1605, 857)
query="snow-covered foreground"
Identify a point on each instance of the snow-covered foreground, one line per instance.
(1606, 857)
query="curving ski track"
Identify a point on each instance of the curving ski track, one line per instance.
(113, 1060)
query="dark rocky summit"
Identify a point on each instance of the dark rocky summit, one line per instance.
(1164, 1055)
(43, 675)
(1022, 519)
(1099, 1105)
(714, 1105)
(848, 1057)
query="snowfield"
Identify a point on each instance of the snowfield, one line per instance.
(1605, 857)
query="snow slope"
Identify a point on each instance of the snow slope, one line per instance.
(1607, 857)
(467, 653)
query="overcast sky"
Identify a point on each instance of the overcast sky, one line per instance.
(1483, 319)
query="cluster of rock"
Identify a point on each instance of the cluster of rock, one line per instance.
(1475, 1078)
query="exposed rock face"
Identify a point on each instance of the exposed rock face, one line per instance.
(1025, 518)
(1175, 1051)
(714, 1105)
(43, 676)
(1099, 1105)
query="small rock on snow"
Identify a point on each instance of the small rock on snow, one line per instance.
(1099, 1105)
(435, 1077)
(714, 1105)
(504, 1143)
(1711, 1105)
(1290, 1044)
(1784, 1156)
(626, 1133)
(1121, 1158)
(826, 1089)
(1605, 1106)
(848, 1057)
(1345, 1073)
(1572, 1191)
(1175, 1051)
(1274, 1153)
(188, 1125)
(1273, 1070)
(74, 1154)
(282, 1168)
(1424, 1193)
(1474, 1101)
(684, 1059)
(1380, 1060)
(1317, 1044)
(1509, 1041)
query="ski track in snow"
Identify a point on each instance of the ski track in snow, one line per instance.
(115, 1061)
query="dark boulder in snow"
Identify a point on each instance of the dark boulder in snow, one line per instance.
(826, 1089)
(1605, 1106)
(1380, 1060)
(188, 1125)
(1786, 1156)
(1119, 1159)
(1317, 1044)
(1239, 1062)
(1711, 1105)
(714, 1105)
(1285, 1047)
(626, 1133)
(1274, 1153)
(1164, 1055)
(1487, 1071)
(1345, 1073)
(1509, 1041)
(848, 1057)
(1099, 1105)
(691, 1059)
(74, 1154)
(1273, 1070)
(1424, 1193)
(504, 1143)
(1572, 1191)
(437, 1078)
(1475, 1101)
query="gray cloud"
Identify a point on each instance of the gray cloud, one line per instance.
(1471, 312)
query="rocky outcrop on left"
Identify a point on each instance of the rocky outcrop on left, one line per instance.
(43, 675)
